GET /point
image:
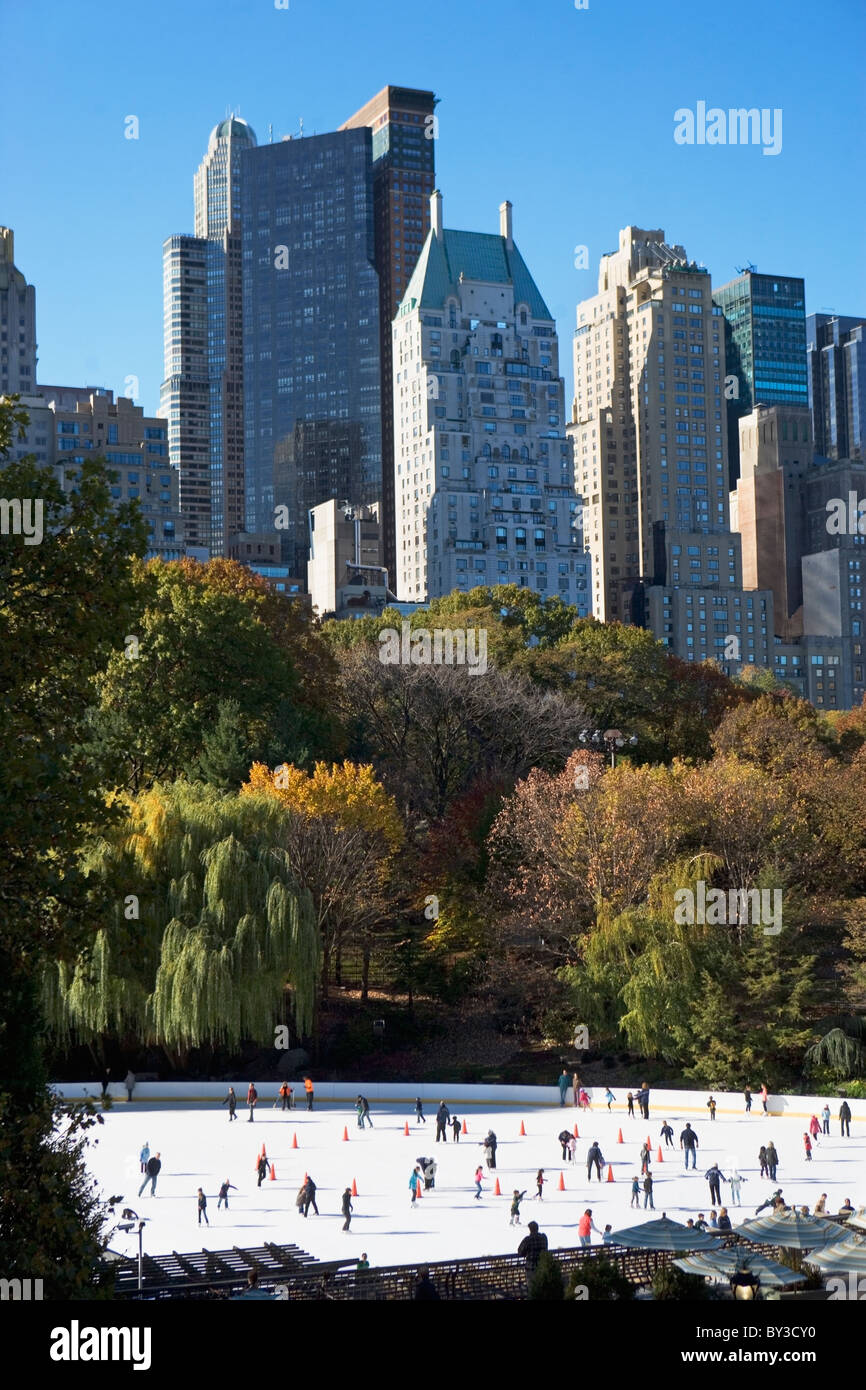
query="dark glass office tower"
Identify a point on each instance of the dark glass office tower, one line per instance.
(836, 354)
(765, 347)
(311, 331)
(403, 126)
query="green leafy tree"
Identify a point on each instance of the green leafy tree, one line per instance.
(546, 1284)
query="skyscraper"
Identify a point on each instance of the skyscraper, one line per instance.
(765, 347)
(483, 471)
(836, 353)
(311, 332)
(17, 323)
(202, 395)
(404, 126)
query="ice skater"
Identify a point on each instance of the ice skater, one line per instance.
(689, 1145)
(262, 1169)
(629, 1100)
(715, 1177)
(736, 1180)
(825, 1116)
(565, 1137)
(585, 1227)
(455, 1129)
(414, 1184)
(666, 1132)
(609, 1097)
(540, 1180)
(365, 1111)
(644, 1159)
(845, 1120)
(310, 1090)
(807, 1145)
(151, 1173)
(231, 1101)
(711, 1106)
(648, 1191)
(516, 1198)
(419, 1111)
(310, 1196)
(346, 1208)
(479, 1174)
(252, 1097)
(224, 1194)
(594, 1158)
(202, 1208)
(144, 1156)
(563, 1084)
(748, 1098)
(443, 1115)
(814, 1128)
(772, 1160)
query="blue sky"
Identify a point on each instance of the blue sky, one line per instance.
(569, 113)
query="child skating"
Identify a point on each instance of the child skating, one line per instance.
(516, 1199)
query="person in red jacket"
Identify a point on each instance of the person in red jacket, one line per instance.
(252, 1097)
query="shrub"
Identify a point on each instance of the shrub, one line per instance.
(546, 1282)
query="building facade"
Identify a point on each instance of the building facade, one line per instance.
(311, 332)
(17, 323)
(345, 574)
(484, 478)
(765, 347)
(404, 128)
(202, 394)
(836, 354)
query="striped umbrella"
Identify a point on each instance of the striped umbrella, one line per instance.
(791, 1229)
(848, 1255)
(721, 1264)
(665, 1234)
(858, 1220)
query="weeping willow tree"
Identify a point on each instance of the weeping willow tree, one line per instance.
(210, 936)
(842, 1050)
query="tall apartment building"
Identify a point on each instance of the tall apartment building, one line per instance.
(403, 125)
(311, 332)
(836, 356)
(483, 470)
(202, 394)
(91, 423)
(17, 323)
(345, 574)
(765, 347)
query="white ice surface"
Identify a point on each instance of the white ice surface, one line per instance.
(199, 1147)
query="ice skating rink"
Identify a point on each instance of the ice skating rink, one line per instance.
(199, 1147)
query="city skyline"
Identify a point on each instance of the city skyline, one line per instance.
(729, 205)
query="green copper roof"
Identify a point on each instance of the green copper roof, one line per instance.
(477, 256)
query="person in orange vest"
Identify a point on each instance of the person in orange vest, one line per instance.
(585, 1227)
(286, 1094)
(308, 1087)
(252, 1097)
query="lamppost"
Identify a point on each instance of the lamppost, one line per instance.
(129, 1219)
(610, 740)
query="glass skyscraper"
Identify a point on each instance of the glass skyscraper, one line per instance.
(310, 331)
(765, 346)
(837, 384)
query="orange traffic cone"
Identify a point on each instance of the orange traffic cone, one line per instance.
(610, 1177)
(273, 1173)
(354, 1188)
(496, 1191)
(562, 1182)
(619, 1138)
(345, 1135)
(659, 1158)
(464, 1129)
(522, 1130)
(418, 1189)
(648, 1144)
(406, 1129)
(294, 1140)
(576, 1135)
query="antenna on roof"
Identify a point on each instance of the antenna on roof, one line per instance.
(745, 269)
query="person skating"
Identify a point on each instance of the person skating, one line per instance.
(666, 1132)
(585, 1227)
(762, 1159)
(310, 1197)
(748, 1095)
(425, 1289)
(736, 1180)
(419, 1111)
(764, 1097)
(563, 1084)
(262, 1169)
(845, 1120)
(594, 1158)
(224, 1194)
(609, 1097)
(252, 1097)
(144, 1156)
(715, 1177)
(565, 1137)
(202, 1208)
(129, 1083)
(540, 1180)
(807, 1145)
(774, 1200)
(711, 1106)
(310, 1090)
(814, 1128)
(414, 1184)
(825, 1117)
(644, 1158)
(584, 1101)
(629, 1100)
(365, 1112)
(479, 1174)
(575, 1088)
(689, 1144)
(283, 1096)
(231, 1101)
(643, 1097)
(359, 1109)
(443, 1115)
(455, 1129)
(106, 1081)
(772, 1160)
(572, 1148)
(648, 1192)
(516, 1198)
(490, 1144)
(151, 1173)
(635, 1192)
(430, 1172)
(346, 1208)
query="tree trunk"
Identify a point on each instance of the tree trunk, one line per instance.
(365, 973)
(338, 964)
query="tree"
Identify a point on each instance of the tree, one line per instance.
(546, 1284)
(224, 761)
(340, 832)
(65, 604)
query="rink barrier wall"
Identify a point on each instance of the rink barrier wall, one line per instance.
(663, 1103)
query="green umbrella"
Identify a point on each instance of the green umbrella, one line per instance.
(792, 1229)
(721, 1264)
(665, 1234)
(848, 1255)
